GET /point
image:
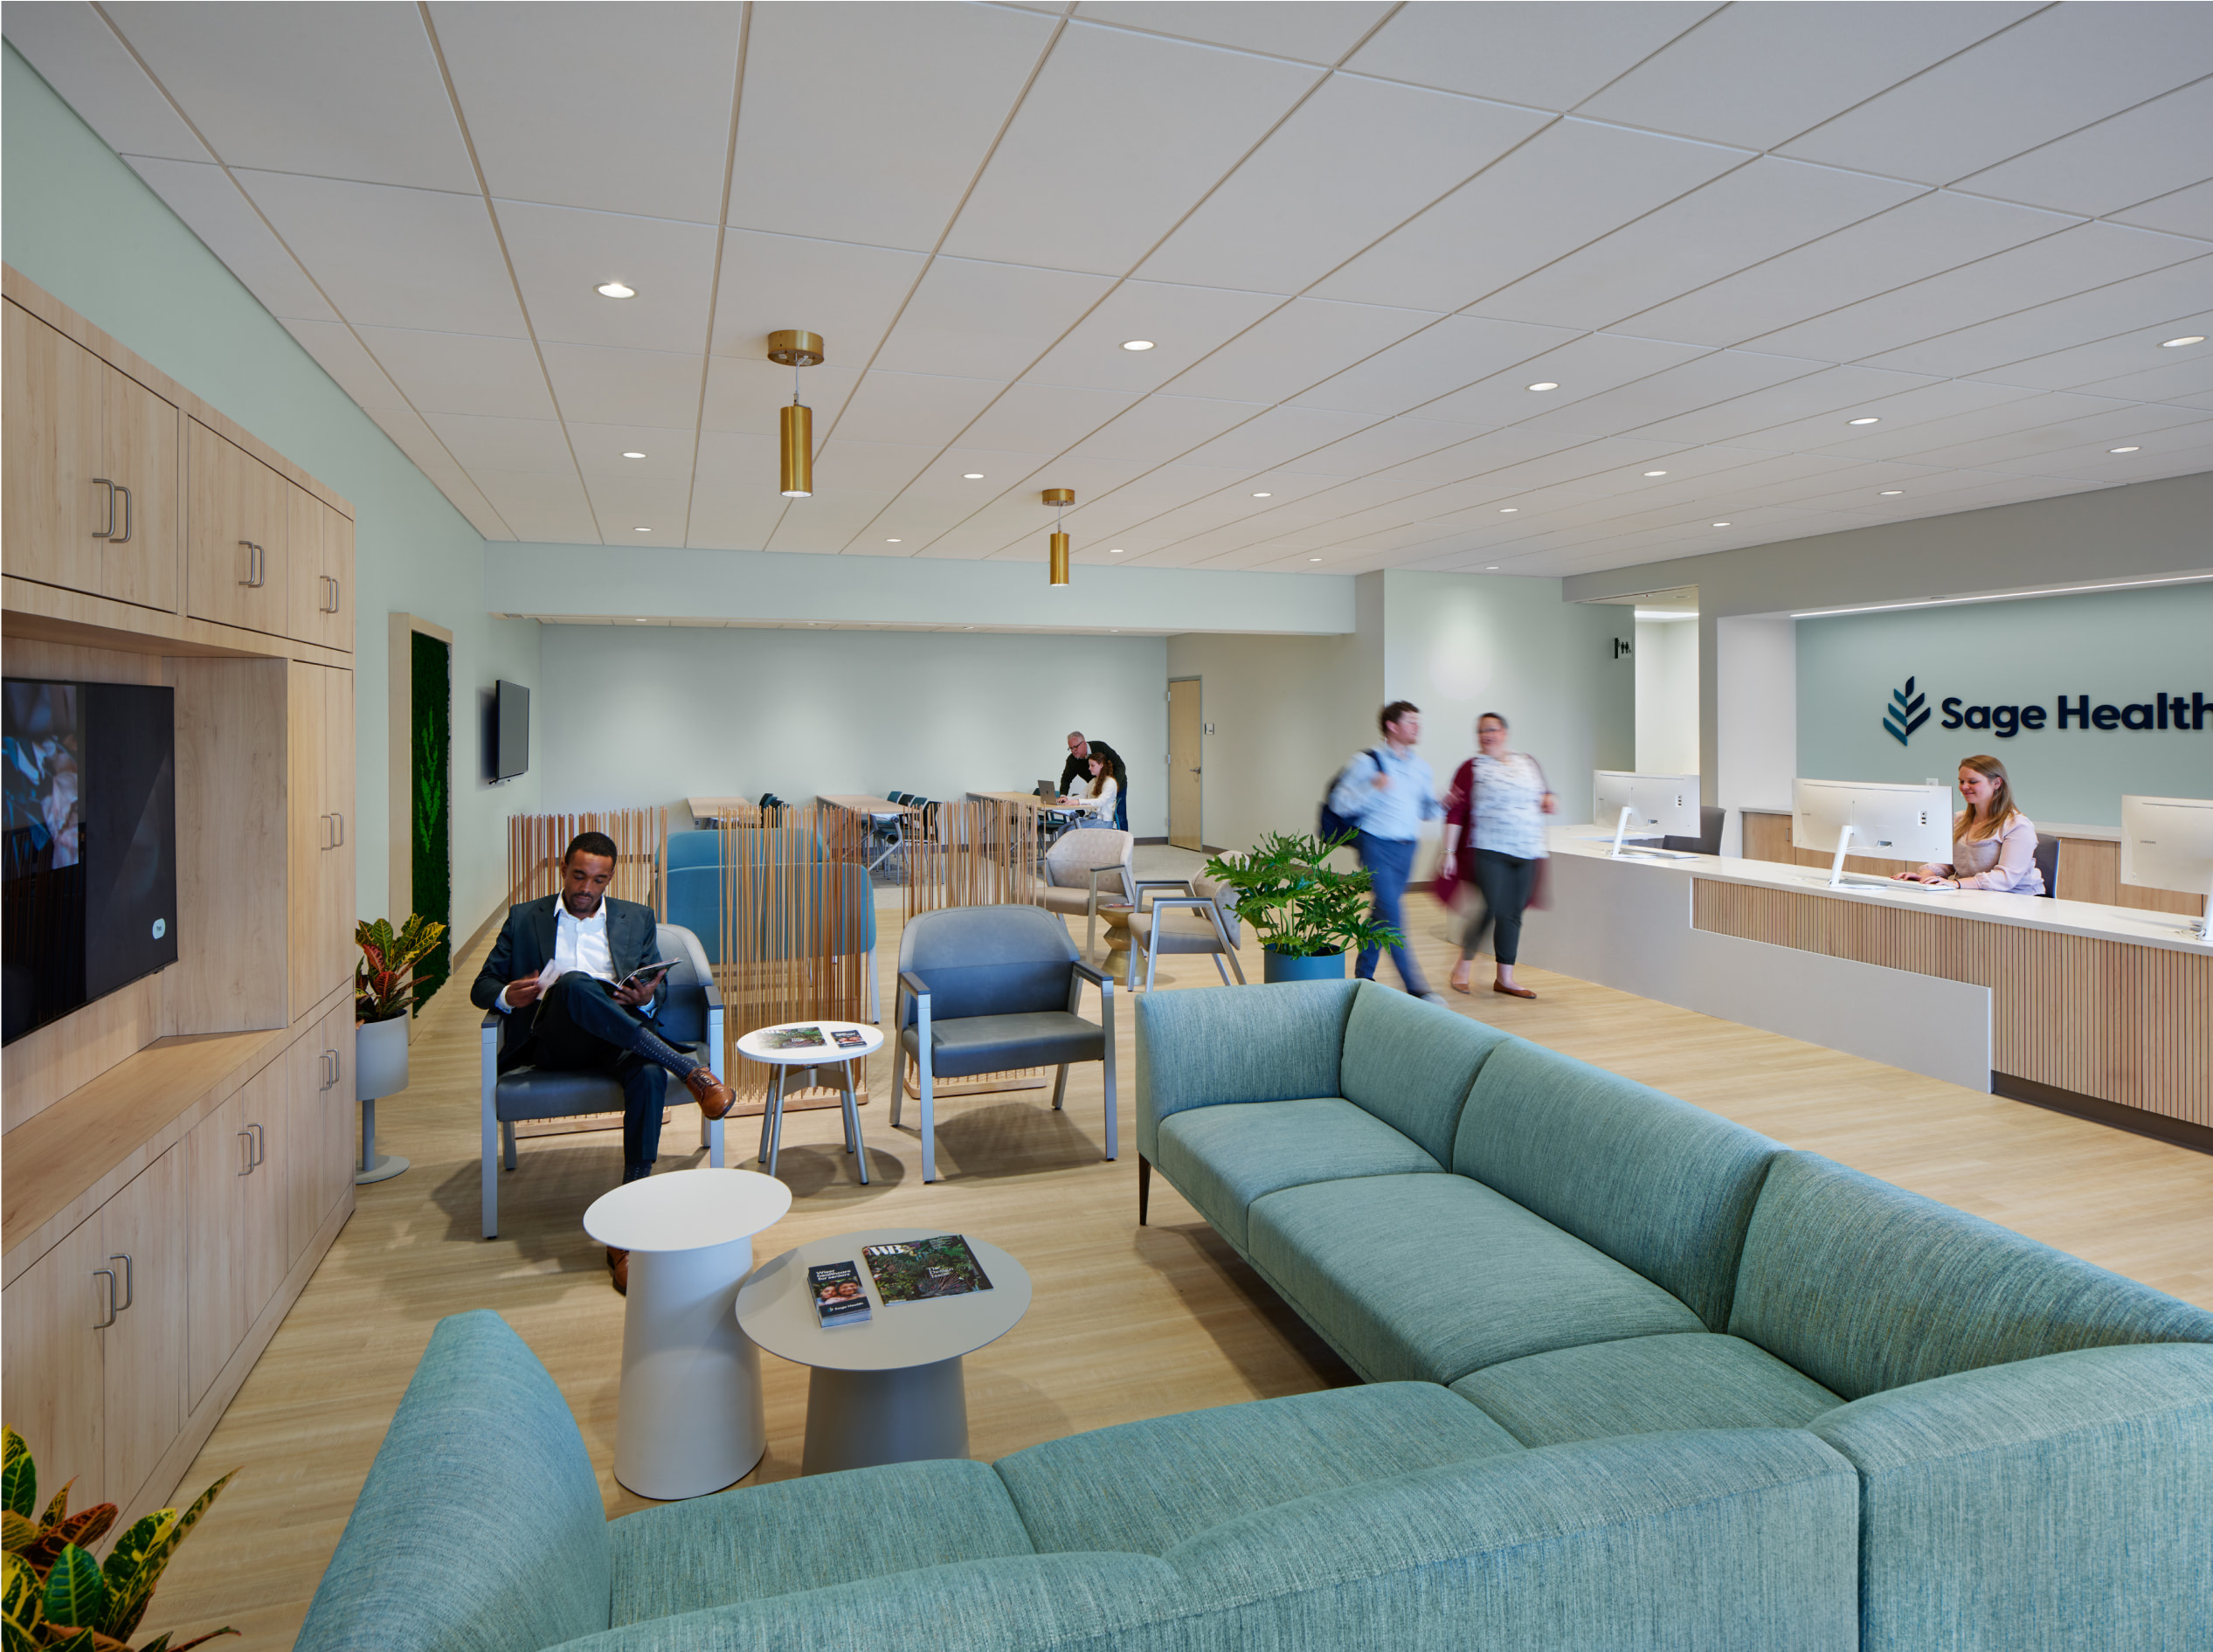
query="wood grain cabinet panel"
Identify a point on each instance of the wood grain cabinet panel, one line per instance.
(143, 1232)
(338, 568)
(237, 536)
(236, 1214)
(50, 1362)
(339, 906)
(308, 591)
(138, 560)
(309, 835)
(319, 1133)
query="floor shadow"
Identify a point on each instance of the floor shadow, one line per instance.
(989, 1141)
(1197, 1263)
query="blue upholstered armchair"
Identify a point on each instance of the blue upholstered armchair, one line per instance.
(989, 989)
(691, 1017)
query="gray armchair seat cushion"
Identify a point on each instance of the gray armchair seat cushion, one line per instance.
(1001, 1043)
(1182, 929)
(533, 1092)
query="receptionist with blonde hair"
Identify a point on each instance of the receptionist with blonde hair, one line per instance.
(1994, 844)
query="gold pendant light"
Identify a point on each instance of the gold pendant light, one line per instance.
(795, 450)
(1057, 563)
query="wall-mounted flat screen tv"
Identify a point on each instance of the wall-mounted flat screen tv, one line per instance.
(88, 864)
(511, 730)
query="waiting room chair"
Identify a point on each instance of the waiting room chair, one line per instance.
(990, 988)
(1708, 842)
(2047, 863)
(1075, 865)
(1203, 919)
(691, 1018)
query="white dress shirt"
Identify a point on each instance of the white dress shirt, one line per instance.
(578, 943)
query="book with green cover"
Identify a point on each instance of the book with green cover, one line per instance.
(924, 1269)
(795, 1038)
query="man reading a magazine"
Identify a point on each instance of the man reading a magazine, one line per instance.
(564, 966)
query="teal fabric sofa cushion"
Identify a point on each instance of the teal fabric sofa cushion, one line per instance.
(1664, 1188)
(1222, 1158)
(1645, 1385)
(1685, 1542)
(794, 1535)
(1863, 1286)
(1236, 1044)
(1146, 1487)
(1411, 1064)
(480, 1527)
(1427, 1278)
(2046, 1505)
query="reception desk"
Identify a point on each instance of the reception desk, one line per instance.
(2105, 1010)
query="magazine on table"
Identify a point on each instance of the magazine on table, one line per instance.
(849, 1038)
(924, 1269)
(794, 1038)
(839, 1298)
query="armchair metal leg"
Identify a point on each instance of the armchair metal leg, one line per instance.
(929, 1117)
(715, 1157)
(1221, 969)
(488, 1154)
(506, 1129)
(1060, 1085)
(1145, 1187)
(1106, 1014)
(875, 1002)
(898, 1079)
(853, 1141)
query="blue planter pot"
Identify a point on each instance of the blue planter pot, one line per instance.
(1275, 967)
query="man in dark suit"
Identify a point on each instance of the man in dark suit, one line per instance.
(584, 1019)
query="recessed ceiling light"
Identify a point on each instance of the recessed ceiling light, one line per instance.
(2122, 450)
(633, 455)
(1510, 510)
(1721, 524)
(615, 289)
(1892, 493)
(1544, 384)
(1263, 495)
(641, 530)
(1313, 559)
(1117, 551)
(1656, 472)
(1137, 344)
(636, 622)
(1871, 420)
(2177, 343)
(1492, 569)
(890, 542)
(972, 476)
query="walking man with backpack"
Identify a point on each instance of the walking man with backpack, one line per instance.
(1387, 793)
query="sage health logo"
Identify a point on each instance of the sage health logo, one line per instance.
(1907, 712)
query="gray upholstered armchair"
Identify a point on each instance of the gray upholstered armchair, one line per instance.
(988, 988)
(691, 1017)
(1075, 867)
(1202, 918)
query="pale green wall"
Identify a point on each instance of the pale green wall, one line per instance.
(2119, 648)
(77, 221)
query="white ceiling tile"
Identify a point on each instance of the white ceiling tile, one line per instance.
(1042, 419)
(1675, 392)
(2086, 62)
(986, 320)
(224, 220)
(2074, 260)
(1754, 213)
(599, 448)
(1924, 405)
(1455, 352)
(561, 255)
(1551, 56)
(1572, 183)
(1798, 399)
(465, 497)
(1595, 362)
(1353, 162)
(538, 505)
(1756, 75)
(1482, 455)
(392, 257)
(734, 502)
(828, 522)
(1313, 31)
(1991, 346)
(945, 480)
(351, 368)
(1379, 447)
(845, 293)
(2184, 373)
(479, 443)
(656, 77)
(1183, 323)
(462, 372)
(2057, 447)
(78, 55)
(1297, 346)
(749, 394)
(338, 91)
(624, 387)
(2147, 152)
(1930, 234)
(907, 524)
(624, 506)
(2185, 213)
(2097, 366)
(1188, 113)
(412, 437)
(1281, 435)
(865, 122)
(845, 466)
(1923, 442)
(911, 407)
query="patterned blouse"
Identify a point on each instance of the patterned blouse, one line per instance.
(1510, 818)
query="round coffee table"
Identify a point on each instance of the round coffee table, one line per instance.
(755, 1046)
(689, 1420)
(890, 1391)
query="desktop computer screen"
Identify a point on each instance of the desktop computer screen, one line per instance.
(1659, 804)
(1888, 822)
(2166, 843)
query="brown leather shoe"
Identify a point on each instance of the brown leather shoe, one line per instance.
(1511, 992)
(619, 1265)
(715, 1097)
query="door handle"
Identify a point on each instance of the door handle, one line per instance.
(260, 1145)
(337, 594)
(341, 819)
(247, 1134)
(123, 538)
(109, 531)
(130, 1286)
(109, 1274)
(251, 561)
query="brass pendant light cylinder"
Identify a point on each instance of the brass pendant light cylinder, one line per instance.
(1059, 560)
(796, 428)
(1059, 498)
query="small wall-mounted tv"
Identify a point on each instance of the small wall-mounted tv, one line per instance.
(88, 861)
(510, 729)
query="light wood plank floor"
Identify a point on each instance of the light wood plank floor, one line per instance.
(1128, 1321)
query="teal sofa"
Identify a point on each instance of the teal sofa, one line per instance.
(1638, 1378)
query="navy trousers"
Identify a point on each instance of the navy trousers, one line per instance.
(580, 1028)
(1390, 863)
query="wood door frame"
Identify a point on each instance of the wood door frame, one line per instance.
(1199, 682)
(399, 788)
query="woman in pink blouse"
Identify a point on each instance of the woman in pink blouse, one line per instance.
(1994, 844)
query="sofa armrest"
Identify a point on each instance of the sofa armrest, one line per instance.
(1278, 1043)
(2066, 1500)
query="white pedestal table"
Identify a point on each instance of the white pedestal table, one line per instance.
(755, 1047)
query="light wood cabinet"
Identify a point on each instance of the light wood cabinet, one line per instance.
(142, 1231)
(50, 1361)
(319, 1131)
(235, 1213)
(138, 560)
(238, 515)
(338, 568)
(339, 906)
(320, 832)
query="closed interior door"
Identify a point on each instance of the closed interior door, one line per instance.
(1185, 811)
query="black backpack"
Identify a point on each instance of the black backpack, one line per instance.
(1332, 824)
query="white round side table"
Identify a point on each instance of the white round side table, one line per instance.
(790, 1063)
(690, 1419)
(892, 1390)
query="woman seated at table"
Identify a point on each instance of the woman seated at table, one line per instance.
(1093, 806)
(1994, 844)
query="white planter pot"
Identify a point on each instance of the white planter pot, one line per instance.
(380, 1058)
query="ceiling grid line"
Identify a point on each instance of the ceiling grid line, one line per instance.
(715, 282)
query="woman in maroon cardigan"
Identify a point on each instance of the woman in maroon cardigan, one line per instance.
(1495, 845)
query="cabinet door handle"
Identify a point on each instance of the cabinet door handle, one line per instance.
(123, 538)
(109, 1275)
(130, 1284)
(260, 566)
(260, 1145)
(341, 819)
(104, 533)
(249, 579)
(337, 593)
(247, 1133)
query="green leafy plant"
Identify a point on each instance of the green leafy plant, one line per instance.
(1299, 905)
(56, 1596)
(386, 982)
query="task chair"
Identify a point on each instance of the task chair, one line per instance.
(989, 989)
(1709, 839)
(2047, 863)
(691, 1018)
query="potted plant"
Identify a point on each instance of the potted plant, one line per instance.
(386, 992)
(56, 1594)
(1307, 914)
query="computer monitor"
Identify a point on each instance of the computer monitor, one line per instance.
(1889, 822)
(1648, 804)
(2166, 843)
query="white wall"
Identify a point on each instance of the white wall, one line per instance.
(1755, 675)
(641, 714)
(1667, 696)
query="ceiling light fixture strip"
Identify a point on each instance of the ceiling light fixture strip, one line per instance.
(2005, 596)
